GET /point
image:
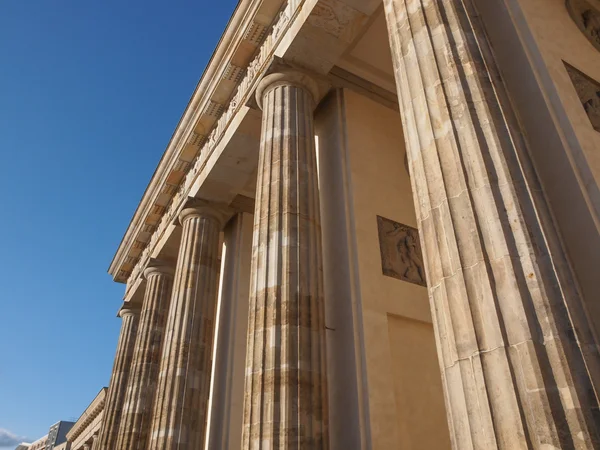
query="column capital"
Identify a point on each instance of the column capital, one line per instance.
(158, 267)
(196, 207)
(128, 310)
(287, 77)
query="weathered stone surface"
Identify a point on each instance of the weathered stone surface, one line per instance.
(141, 389)
(89, 424)
(95, 442)
(513, 370)
(180, 408)
(118, 382)
(285, 403)
(588, 91)
(587, 17)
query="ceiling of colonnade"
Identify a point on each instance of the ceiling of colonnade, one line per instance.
(369, 57)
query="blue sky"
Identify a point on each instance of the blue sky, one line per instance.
(90, 93)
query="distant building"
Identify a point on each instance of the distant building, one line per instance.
(54, 440)
(58, 434)
(40, 444)
(64, 446)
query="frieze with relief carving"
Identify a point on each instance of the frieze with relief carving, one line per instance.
(400, 249)
(586, 14)
(588, 91)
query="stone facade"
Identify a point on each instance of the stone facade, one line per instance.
(424, 184)
(85, 432)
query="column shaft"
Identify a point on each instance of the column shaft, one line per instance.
(141, 389)
(180, 408)
(286, 400)
(514, 373)
(118, 381)
(232, 332)
(95, 442)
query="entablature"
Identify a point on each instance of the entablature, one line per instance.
(245, 33)
(202, 163)
(88, 416)
(231, 147)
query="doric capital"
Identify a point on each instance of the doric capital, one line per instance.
(287, 77)
(201, 208)
(128, 310)
(157, 267)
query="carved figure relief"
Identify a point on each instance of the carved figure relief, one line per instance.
(586, 14)
(588, 91)
(400, 249)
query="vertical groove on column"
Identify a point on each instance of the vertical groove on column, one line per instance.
(118, 381)
(139, 400)
(180, 409)
(285, 404)
(513, 371)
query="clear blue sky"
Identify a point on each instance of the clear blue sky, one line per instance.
(90, 93)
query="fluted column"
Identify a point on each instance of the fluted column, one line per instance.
(141, 389)
(118, 381)
(513, 363)
(95, 442)
(180, 408)
(285, 398)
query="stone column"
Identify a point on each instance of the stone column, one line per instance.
(231, 335)
(95, 442)
(141, 389)
(180, 408)
(87, 446)
(512, 363)
(285, 398)
(118, 381)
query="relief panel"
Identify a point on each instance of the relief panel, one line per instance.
(588, 91)
(586, 14)
(400, 249)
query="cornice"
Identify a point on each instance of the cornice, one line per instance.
(244, 89)
(243, 36)
(91, 412)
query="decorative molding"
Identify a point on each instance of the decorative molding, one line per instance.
(243, 93)
(586, 14)
(588, 91)
(400, 248)
(212, 86)
(169, 189)
(214, 109)
(196, 139)
(256, 33)
(91, 412)
(234, 73)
